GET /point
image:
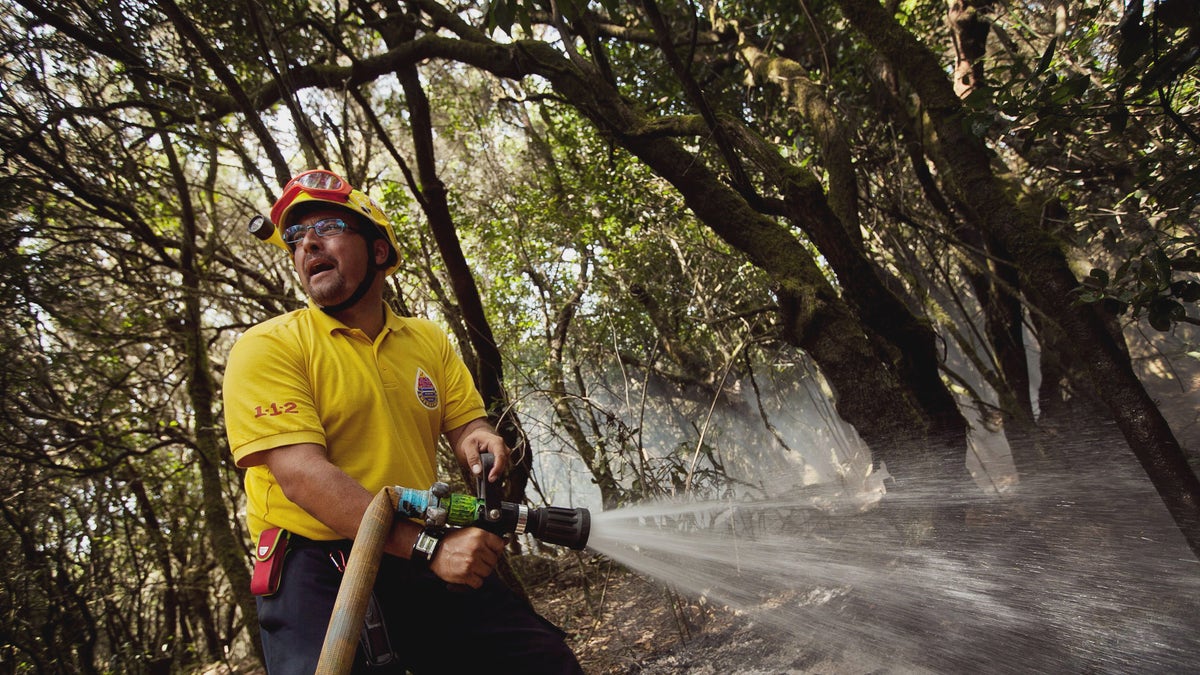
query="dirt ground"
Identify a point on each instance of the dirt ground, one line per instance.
(620, 622)
(616, 621)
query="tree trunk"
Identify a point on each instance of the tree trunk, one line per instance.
(489, 373)
(1045, 273)
(899, 337)
(228, 549)
(970, 29)
(161, 553)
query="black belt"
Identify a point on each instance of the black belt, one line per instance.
(298, 541)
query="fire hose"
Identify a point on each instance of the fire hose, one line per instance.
(438, 508)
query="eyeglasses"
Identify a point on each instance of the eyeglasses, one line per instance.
(318, 183)
(326, 227)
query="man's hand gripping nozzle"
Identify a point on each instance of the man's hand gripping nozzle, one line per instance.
(439, 509)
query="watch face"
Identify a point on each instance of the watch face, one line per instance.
(426, 544)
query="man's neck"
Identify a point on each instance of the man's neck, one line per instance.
(366, 315)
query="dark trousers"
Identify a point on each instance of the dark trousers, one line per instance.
(433, 629)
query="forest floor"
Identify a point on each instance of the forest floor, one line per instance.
(616, 621)
(619, 622)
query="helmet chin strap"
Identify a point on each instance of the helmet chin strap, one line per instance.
(349, 302)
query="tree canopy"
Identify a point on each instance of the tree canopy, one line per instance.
(651, 227)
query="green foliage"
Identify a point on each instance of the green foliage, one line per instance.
(502, 14)
(1159, 281)
(621, 318)
(1156, 50)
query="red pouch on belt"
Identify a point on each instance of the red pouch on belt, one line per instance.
(268, 561)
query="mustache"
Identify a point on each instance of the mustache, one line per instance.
(316, 261)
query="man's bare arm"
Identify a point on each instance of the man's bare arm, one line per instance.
(307, 478)
(328, 494)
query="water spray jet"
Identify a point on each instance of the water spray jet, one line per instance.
(1079, 573)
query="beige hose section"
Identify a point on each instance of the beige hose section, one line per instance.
(345, 625)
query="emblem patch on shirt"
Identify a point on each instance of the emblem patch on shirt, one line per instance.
(426, 391)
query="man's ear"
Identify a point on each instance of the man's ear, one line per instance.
(382, 251)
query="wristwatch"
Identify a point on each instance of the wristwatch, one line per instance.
(426, 545)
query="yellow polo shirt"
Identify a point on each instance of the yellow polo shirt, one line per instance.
(378, 407)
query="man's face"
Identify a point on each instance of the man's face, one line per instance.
(331, 267)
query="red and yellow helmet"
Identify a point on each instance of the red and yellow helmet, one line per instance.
(320, 185)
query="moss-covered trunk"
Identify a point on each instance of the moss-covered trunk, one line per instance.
(1045, 274)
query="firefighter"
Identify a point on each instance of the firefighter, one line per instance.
(326, 405)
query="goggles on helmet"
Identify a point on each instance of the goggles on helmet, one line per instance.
(318, 183)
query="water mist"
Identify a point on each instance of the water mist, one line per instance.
(1077, 572)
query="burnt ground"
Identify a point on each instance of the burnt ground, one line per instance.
(621, 622)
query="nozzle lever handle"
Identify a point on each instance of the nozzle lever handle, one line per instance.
(488, 492)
